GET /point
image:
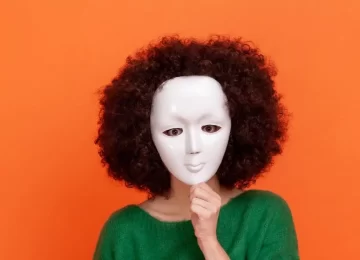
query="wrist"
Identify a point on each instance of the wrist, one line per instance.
(212, 249)
(209, 245)
(208, 242)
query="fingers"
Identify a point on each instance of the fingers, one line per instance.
(201, 211)
(198, 192)
(204, 204)
(204, 208)
(204, 201)
(203, 191)
(203, 186)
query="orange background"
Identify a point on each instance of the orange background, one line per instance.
(55, 196)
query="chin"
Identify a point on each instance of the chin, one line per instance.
(194, 181)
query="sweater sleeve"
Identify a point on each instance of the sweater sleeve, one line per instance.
(280, 241)
(112, 243)
(105, 244)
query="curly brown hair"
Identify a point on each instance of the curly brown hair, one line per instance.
(259, 120)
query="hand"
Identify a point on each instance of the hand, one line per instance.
(205, 206)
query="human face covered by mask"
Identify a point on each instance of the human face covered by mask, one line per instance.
(190, 127)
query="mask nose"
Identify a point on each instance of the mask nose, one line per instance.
(193, 142)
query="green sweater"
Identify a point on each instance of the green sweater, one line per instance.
(256, 225)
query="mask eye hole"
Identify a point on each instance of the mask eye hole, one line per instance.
(210, 128)
(173, 132)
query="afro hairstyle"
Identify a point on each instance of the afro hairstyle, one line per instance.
(259, 119)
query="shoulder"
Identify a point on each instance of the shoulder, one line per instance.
(123, 219)
(121, 223)
(115, 232)
(263, 196)
(263, 202)
(261, 211)
(268, 224)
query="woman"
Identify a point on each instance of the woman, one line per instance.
(194, 124)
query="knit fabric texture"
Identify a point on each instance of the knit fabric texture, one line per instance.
(255, 225)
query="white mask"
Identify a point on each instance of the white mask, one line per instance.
(190, 126)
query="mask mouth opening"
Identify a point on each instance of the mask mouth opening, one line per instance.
(194, 168)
